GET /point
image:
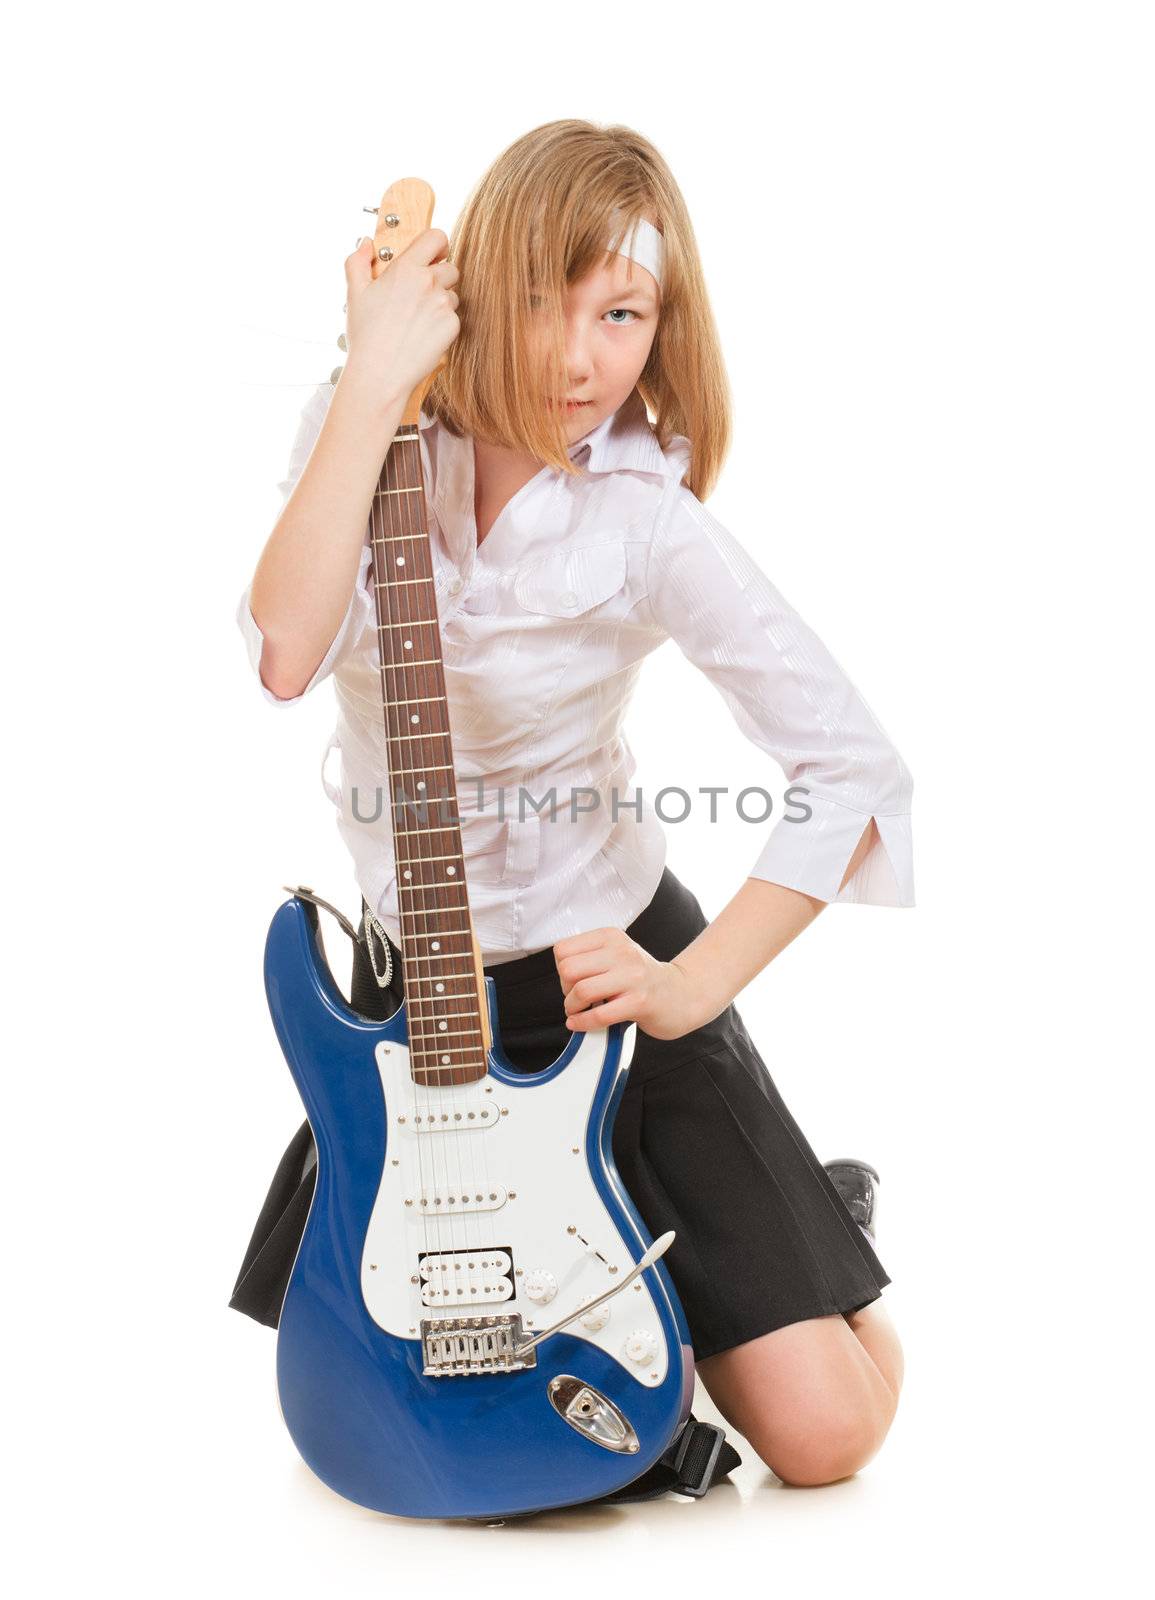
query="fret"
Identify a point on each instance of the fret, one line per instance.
(421, 700)
(397, 583)
(456, 1074)
(437, 933)
(440, 1000)
(448, 1015)
(433, 977)
(450, 1050)
(455, 1082)
(401, 662)
(406, 438)
(429, 1036)
(398, 491)
(430, 733)
(441, 827)
(418, 622)
(460, 1033)
(397, 538)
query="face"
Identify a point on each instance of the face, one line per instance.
(610, 318)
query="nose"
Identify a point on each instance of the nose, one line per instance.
(577, 352)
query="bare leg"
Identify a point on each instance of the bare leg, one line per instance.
(874, 1330)
(810, 1397)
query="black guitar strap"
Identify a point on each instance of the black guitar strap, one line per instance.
(698, 1458)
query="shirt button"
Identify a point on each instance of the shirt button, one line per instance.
(456, 586)
(569, 599)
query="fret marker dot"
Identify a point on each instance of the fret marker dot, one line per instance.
(439, 987)
(451, 870)
(445, 1060)
(421, 783)
(409, 644)
(407, 873)
(435, 944)
(400, 561)
(414, 717)
(443, 1026)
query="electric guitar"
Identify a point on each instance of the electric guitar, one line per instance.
(477, 1322)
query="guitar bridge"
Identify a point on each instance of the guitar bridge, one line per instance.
(460, 1347)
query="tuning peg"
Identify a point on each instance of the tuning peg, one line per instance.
(335, 374)
(341, 345)
(373, 209)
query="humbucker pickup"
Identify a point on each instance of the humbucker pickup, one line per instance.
(466, 1277)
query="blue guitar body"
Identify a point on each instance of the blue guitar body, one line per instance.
(362, 1408)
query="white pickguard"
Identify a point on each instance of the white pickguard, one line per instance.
(522, 1151)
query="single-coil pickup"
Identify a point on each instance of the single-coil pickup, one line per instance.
(466, 1277)
(492, 1198)
(454, 1119)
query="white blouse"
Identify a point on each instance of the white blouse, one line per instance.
(545, 626)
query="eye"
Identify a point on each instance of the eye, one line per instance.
(628, 313)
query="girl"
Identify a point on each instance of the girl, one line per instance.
(569, 539)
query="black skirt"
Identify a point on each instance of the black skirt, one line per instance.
(703, 1141)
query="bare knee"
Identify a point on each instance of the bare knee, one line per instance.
(828, 1449)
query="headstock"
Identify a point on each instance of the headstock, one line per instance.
(405, 210)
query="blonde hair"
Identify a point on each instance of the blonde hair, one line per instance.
(539, 220)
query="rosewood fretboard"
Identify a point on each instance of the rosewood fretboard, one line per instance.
(447, 1038)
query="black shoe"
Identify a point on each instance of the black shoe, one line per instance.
(857, 1185)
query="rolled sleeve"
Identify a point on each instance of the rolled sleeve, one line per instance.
(360, 611)
(790, 698)
(357, 617)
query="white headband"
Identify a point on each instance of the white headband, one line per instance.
(644, 245)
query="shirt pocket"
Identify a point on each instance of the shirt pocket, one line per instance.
(571, 583)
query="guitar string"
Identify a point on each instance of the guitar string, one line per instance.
(419, 851)
(434, 730)
(473, 1225)
(409, 891)
(383, 529)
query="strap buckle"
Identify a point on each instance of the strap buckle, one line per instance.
(695, 1472)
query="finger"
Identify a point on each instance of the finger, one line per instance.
(619, 1010)
(590, 991)
(577, 944)
(579, 967)
(429, 246)
(359, 266)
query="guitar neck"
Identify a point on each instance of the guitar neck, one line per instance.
(439, 954)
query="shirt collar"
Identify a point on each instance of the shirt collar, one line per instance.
(625, 439)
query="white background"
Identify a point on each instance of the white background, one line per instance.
(927, 233)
